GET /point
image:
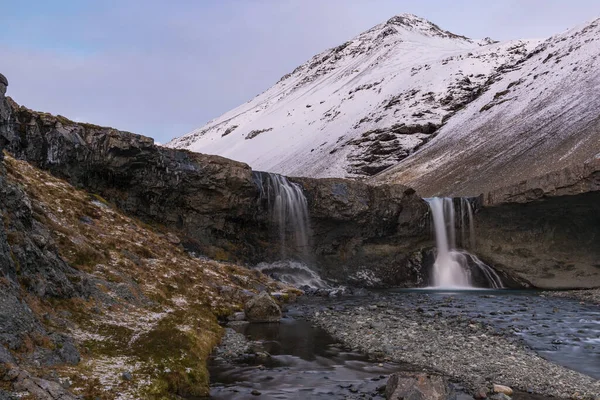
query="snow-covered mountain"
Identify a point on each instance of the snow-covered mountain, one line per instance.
(363, 106)
(539, 116)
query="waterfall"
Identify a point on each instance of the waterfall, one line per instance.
(454, 268)
(288, 209)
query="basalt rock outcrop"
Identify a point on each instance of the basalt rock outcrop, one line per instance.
(545, 230)
(362, 234)
(208, 197)
(369, 235)
(551, 242)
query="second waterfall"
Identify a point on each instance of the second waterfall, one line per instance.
(454, 268)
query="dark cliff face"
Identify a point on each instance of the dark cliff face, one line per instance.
(213, 203)
(210, 198)
(29, 260)
(369, 235)
(552, 242)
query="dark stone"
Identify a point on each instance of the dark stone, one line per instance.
(5, 356)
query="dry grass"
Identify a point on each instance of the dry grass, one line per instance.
(166, 332)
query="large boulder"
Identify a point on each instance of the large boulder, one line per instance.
(262, 308)
(417, 386)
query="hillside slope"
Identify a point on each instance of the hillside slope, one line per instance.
(540, 116)
(361, 107)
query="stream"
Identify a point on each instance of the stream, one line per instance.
(307, 363)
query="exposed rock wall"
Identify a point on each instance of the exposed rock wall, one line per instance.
(362, 234)
(552, 242)
(208, 197)
(569, 181)
(369, 235)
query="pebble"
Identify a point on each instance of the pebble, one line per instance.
(503, 389)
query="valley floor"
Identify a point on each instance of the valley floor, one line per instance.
(479, 339)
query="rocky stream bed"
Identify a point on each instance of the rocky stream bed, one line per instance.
(347, 347)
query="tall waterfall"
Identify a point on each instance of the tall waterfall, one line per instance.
(288, 208)
(454, 268)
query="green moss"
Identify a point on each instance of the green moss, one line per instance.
(180, 356)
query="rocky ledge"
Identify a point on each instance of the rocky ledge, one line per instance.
(570, 181)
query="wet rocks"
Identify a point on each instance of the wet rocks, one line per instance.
(417, 386)
(368, 236)
(590, 295)
(262, 308)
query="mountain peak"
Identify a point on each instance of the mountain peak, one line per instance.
(415, 23)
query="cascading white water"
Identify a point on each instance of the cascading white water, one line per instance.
(293, 273)
(453, 267)
(288, 207)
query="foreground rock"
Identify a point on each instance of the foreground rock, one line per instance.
(87, 293)
(417, 386)
(262, 308)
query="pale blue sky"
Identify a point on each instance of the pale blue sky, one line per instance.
(163, 68)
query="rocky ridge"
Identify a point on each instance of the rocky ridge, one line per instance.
(535, 125)
(89, 295)
(81, 257)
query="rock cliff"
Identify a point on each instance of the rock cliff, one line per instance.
(213, 203)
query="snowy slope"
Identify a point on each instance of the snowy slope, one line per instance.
(542, 115)
(361, 107)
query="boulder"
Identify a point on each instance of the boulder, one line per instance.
(262, 308)
(417, 386)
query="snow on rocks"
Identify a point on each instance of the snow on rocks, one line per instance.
(361, 107)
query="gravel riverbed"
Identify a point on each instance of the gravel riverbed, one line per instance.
(470, 351)
(587, 295)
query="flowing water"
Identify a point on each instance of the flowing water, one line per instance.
(293, 273)
(305, 363)
(453, 268)
(563, 331)
(288, 207)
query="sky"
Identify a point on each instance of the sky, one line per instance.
(164, 68)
